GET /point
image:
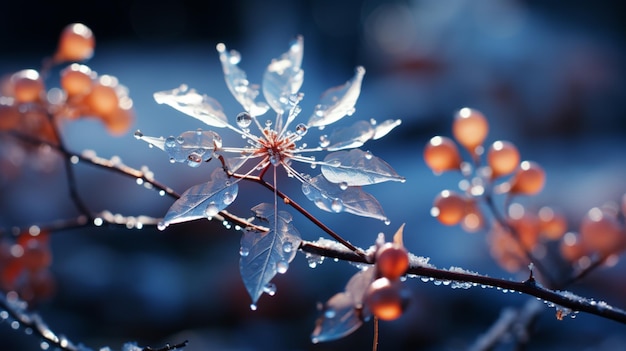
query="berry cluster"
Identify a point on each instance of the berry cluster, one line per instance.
(386, 297)
(28, 107)
(520, 231)
(24, 265)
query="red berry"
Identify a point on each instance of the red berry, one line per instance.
(392, 261)
(470, 128)
(503, 158)
(449, 207)
(27, 85)
(386, 299)
(528, 179)
(75, 44)
(441, 154)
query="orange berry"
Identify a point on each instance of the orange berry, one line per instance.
(441, 154)
(572, 249)
(527, 229)
(470, 128)
(503, 158)
(473, 219)
(528, 179)
(449, 207)
(118, 122)
(102, 100)
(600, 231)
(76, 79)
(386, 299)
(506, 250)
(552, 224)
(9, 116)
(27, 85)
(75, 44)
(392, 260)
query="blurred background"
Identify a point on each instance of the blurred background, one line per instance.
(548, 75)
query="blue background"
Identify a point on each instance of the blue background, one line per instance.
(548, 76)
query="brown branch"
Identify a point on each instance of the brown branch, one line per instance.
(529, 287)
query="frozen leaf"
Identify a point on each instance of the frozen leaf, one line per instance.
(351, 137)
(191, 147)
(238, 84)
(382, 129)
(189, 102)
(339, 318)
(338, 102)
(357, 168)
(337, 198)
(266, 254)
(343, 313)
(283, 77)
(203, 200)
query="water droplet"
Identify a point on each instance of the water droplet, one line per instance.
(287, 247)
(138, 134)
(228, 198)
(161, 192)
(244, 120)
(139, 181)
(15, 325)
(306, 188)
(74, 159)
(387, 221)
(161, 226)
(180, 140)
(268, 123)
(425, 279)
(368, 155)
(336, 205)
(301, 129)
(343, 185)
(437, 282)
(98, 221)
(211, 210)
(282, 266)
(324, 141)
(330, 313)
(270, 289)
(44, 345)
(244, 251)
(253, 306)
(172, 160)
(275, 160)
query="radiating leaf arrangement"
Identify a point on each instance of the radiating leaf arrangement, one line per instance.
(338, 188)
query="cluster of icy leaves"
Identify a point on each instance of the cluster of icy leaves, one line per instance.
(344, 170)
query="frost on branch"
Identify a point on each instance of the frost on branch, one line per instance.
(264, 254)
(357, 167)
(342, 314)
(336, 198)
(189, 102)
(203, 200)
(338, 102)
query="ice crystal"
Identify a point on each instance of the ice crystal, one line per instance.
(278, 141)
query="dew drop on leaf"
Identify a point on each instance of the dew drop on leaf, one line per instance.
(270, 289)
(324, 141)
(343, 185)
(211, 210)
(282, 266)
(287, 247)
(336, 206)
(170, 141)
(244, 251)
(368, 155)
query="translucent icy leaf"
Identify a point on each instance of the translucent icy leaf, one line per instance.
(337, 102)
(191, 147)
(343, 314)
(188, 101)
(357, 167)
(267, 254)
(382, 129)
(359, 283)
(238, 84)
(339, 318)
(283, 77)
(336, 198)
(351, 137)
(203, 200)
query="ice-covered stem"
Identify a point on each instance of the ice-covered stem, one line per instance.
(120, 168)
(528, 287)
